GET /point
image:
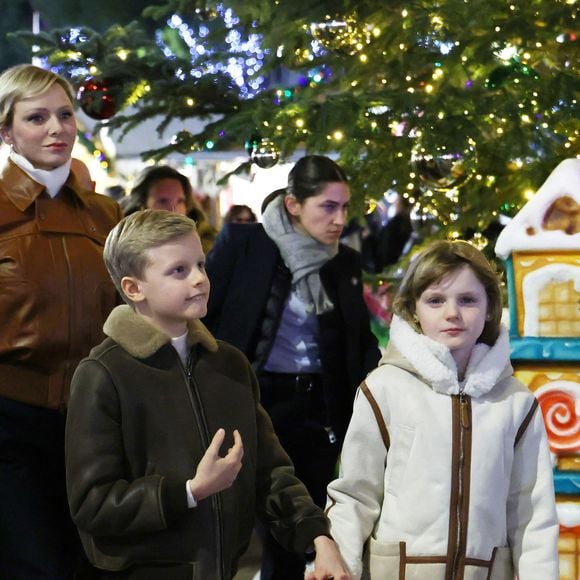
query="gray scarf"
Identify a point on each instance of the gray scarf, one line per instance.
(303, 255)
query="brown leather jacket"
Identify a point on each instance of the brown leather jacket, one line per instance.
(138, 425)
(55, 292)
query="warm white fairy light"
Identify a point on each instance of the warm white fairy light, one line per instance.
(528, 194)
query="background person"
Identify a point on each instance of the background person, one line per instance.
(445, 469)
(54, 297)
(162, 187)
(240, 214)
(290, 297)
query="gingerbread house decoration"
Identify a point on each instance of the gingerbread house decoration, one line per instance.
(541, 247)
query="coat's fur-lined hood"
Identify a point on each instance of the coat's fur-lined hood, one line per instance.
(141, 339)
(434, 363)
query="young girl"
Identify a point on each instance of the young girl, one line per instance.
(445, 470)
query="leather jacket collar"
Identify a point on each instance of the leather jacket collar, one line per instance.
(23, 191)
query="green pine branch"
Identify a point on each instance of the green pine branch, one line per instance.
(425, 74)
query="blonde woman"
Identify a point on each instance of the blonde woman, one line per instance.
(55, 295)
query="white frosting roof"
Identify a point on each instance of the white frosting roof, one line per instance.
(568, 514)
(563, 181)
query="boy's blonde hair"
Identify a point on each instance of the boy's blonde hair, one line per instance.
(24, 81)
(127, 244)
(434, 263)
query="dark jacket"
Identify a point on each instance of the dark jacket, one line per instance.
(55, 292)
(244, 269)
(137, 427)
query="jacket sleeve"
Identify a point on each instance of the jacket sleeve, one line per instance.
(369, 347)
(355, 498)
(103, 499)
(531, 510)
(283, 502)
(220, 265)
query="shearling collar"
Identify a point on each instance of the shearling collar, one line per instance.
(141, 339)
(434, 363)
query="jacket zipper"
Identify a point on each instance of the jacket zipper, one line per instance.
(205, 435)
(464, 423)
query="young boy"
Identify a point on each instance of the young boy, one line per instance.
(169, 454)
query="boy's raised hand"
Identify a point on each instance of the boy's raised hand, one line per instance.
(215, 473)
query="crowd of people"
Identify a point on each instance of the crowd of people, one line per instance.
(164, 388)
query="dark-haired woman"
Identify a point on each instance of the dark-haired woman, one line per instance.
(290, 297)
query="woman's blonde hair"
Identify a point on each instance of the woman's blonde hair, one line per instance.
(433, 264)
(24, 81)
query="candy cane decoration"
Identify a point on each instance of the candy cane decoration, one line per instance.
(560, 402)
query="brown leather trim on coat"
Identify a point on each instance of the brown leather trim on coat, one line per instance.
(452, 533)
(330, 506)
(426, 559)
(478, 562)
(402, 559)
(526, 422)
(493, 555)
(466, 477)
(378, 415)
(460, 479)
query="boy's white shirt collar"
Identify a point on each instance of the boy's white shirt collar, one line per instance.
(180, 345)
(53, 180)
(434, 362)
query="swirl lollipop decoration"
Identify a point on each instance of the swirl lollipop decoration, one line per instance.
(559, 402)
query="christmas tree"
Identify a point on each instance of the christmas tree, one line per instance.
(462, 106)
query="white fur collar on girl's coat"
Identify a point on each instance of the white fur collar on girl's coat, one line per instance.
(434, 362)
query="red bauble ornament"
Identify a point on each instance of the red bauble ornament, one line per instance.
(98, 98)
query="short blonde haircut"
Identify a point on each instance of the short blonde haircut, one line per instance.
(127, 245)
(25, 81)
(433, 264)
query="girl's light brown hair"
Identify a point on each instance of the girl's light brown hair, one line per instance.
(434, 263)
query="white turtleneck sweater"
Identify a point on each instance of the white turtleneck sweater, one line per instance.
(53, 180)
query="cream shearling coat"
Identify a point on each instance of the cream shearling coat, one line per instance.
(452, 487)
